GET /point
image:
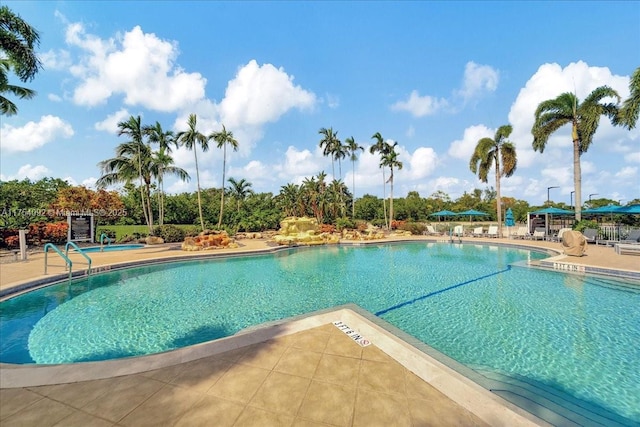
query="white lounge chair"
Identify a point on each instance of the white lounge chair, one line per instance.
(539, 234)
(493, 231)
(628, 248)
(558, 237)
(477, 232)
(522, 233)
(458, 231)
(431, 231)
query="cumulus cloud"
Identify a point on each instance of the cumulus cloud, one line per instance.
(261, 94)
(464, 148)
(33, 134)
(477, 80)
(110, 124)
(56, 60)
(420, 106)
(140, 66)
(27, 171)
(299, 164)
(627, 172)
(422, 163)
(54, 98)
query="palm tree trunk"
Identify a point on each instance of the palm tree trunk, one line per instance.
(195, 155)
(577, 176)
(384, 196)
(160, 200)
(391, 199)
(142, 195)
(224, 167)
(498, 201)
(353, 203)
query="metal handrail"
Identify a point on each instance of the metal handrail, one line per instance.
(80, 251)
(64, 257)
(102, 236)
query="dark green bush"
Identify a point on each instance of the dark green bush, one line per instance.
(169, 233)
(344, 222)
(416, 228)
(580, 226)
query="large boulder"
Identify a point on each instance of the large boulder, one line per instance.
(207, 240)
(302, 231)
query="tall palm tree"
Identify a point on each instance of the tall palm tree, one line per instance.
(584, 117)
(628, 114)
(134, 130)
(382, 148)
(162, 164)
(191, 139)
(18, 41)
(491, 153)
(390, 159)
(329, 144)
(222, 139)
(239, 190)
(132, 162)
(339, 152)
(353, 147)
(165, 139)
(291, 200)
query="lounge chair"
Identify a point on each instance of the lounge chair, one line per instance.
(493, 231)
(522, 233)
(431, 231)
(539, 234)
(627, 248)
(633, 237)
(477, 232)
(458, 231)
(591, 234)
(558, 237)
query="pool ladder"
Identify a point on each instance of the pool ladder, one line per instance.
(102, 237)
(65, 256)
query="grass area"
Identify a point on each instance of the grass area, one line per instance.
(129, 230)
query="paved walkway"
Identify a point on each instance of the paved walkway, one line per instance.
(318, 377)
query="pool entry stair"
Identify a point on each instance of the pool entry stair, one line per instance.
(552, 405)
(65, 256)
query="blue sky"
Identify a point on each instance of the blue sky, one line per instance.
(434, 76)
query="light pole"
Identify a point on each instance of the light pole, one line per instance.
(549, 188)
(593, 194)
(571, 200)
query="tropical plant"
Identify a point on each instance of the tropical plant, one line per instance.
(382, 148)
(584, 117)
(628, 114)
(390, 159)
(290, 200)
(162, 162)
(353, 147)
(329, 144)
(239, 190)
(498, 153)
(222, 139)
(191, 139)
(18, 41)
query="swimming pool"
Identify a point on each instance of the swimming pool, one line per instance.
(575, 334)
(110, 248)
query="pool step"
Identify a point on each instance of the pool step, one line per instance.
(554, 406)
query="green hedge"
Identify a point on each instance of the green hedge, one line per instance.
(134, 230)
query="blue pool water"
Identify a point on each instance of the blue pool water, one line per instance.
(476, 304)
(110, 248)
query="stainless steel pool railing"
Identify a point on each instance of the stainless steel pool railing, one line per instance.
(102, 237)
(80, 251)
(59, 252)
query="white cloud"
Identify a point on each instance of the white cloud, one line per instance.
(410, 133)
(261, 94)
(627, 172)
(333, 101)
(27, 171)
(420, 106)
(300, 164)
(55, 60)
(632, 157)
(110, 124)
(138, 65)
(33, 135)
(422, 163)
(464, 148)
(478, 79)
(54, 98)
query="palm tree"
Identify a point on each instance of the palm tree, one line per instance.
(628, 114)
(132, 161)
(381, 147)
(328, 143)
(339, 152)
(291, 201)
(223, 138)
(191, 139)
(390, 159)
(353, 147)
(17, 43)
(161, 158)
(239, 190)
(490, 152)
(134, 130)
(584, 117)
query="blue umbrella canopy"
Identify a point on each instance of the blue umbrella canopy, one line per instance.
(553, 211)
(473, 212)
(630, 209)
(602, 210)
(508, 218)
(444, 213)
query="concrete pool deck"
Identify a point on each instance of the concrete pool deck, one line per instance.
(301, 372)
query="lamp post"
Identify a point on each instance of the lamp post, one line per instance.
(549, 188)
(571, 200)
(593, 194)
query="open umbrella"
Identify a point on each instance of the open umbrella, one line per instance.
(552, 211)
(509, 221)
(444, 213)
(630, 209)
(471, 213)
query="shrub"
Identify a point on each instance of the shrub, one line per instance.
(580, 226)
(342, 223)
(56, 232)
(12, 242)
(169, 233)
(191, 231)
(416, 228)
(327, 228)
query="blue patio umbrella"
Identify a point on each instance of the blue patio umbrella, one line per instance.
(471, 213)
(630, 209)
(553, 211)
(508, 218)
(444, 213)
